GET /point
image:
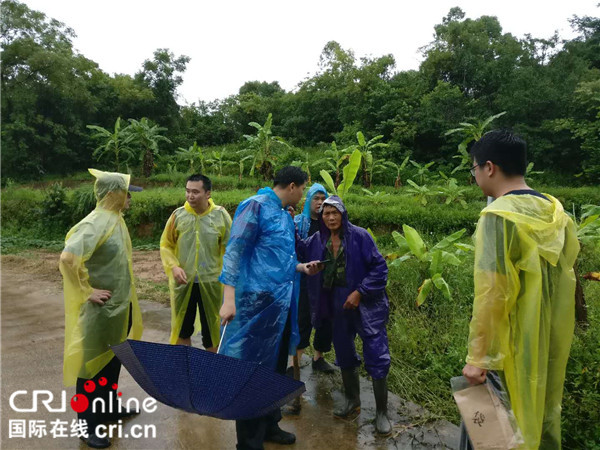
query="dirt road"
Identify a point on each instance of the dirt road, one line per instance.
(32, 345)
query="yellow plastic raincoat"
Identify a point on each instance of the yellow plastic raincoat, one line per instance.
(524, 307)
(97, 255)
(196, 243)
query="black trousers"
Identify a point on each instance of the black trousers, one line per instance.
(111, 372)
(323, 333)
(251, 433)
(187, 327)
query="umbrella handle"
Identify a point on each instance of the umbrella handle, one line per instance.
(222, 334)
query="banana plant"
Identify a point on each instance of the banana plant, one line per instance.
(262, 145)
(423, 172)
(447, 252)
(241, 165)
(334, 159)
(588, 234)
(399, 168)
(471, 131)
(116, 143)
(304, 165)
(452, 191)
(192, 154)
(366, 149)
(147, 136)
(420, 192)
(350, 171)
(375, 197)
(529, 172)
(217, 162)
(588, 226)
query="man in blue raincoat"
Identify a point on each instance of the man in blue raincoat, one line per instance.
(351, 291)
(261, 279)
(307, 224)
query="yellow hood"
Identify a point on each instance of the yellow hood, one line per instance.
(544, 221)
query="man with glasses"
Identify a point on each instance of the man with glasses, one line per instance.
(524, 310)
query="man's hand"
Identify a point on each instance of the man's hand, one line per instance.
(291, 210)
(99, 296)
(310, 268)
(474, 375)
(352, 301)
(227, 311)
(179, 275)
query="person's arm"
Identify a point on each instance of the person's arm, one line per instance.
(226, 232)
(79, 247)
(227, 312)
(376, 279)
(243, 234)
(168, 243)
(496, 288)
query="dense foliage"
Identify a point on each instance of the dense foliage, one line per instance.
(549, 88)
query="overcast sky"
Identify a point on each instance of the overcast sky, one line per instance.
(234, 41)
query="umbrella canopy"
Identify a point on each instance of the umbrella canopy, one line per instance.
(206, 383)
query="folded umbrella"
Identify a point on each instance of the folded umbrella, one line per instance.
(206, 383)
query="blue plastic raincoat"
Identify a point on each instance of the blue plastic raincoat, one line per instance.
(260, 262)
(366, 272)
(302, 221)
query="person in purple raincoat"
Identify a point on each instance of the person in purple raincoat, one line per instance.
(350, 291)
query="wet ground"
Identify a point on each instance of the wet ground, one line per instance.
(32, 344)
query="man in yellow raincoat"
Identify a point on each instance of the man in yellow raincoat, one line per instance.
(101, 307)
(524, 308)
(192, 247)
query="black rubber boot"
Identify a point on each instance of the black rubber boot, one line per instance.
(382, 422)
(94, 441)
(351, 402)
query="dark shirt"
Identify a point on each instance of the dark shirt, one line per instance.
(334, 273)
(527, 192)
(314, 227)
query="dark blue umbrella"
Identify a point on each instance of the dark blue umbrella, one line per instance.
(206, 383)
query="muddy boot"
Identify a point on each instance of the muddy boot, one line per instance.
(382, 423)
(351, 403)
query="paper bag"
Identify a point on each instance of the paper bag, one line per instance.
(489, 424)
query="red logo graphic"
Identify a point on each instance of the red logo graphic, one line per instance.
(79, 402)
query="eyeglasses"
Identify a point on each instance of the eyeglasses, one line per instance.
(472, 169)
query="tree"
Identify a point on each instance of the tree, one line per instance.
(46, 97)
(163, 75)
(472, 54)
(147, 136)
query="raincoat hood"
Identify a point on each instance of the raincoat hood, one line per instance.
(314, 189)
(302, 220)
(336, 202)
(110, 189)
(540, 219)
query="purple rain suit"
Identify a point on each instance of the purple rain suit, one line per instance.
(366, 272)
